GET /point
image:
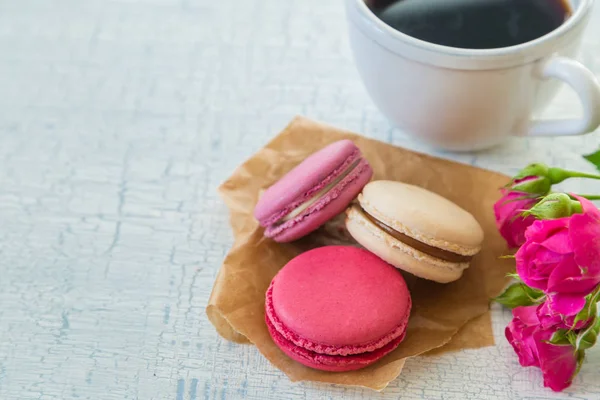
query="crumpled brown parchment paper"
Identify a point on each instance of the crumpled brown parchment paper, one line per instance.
(444, 317)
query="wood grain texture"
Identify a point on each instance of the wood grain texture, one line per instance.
(118, 120)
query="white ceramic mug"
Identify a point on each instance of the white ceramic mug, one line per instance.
(462, 99)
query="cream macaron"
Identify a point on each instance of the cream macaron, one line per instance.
(415, 230)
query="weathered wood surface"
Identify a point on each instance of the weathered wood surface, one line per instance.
(118, 120)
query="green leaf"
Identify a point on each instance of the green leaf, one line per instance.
(587, 338)
(560, 337)
(594, 158)
(590, 311)
(535, 295)
(519, 294)
(595, 296)
(572, 336)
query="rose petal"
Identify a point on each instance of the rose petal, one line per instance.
(585, 236)
(567, 278)
(506, 207)
(514, 231)
(566, 304)
(544, 256)
(541, 229)
(534, 230)
(547, 318)
(526, 314)
(525, 267)
(559, 242)
(528, 357)
(588, 207)
(558, 364)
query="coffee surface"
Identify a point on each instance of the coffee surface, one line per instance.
(473, 24)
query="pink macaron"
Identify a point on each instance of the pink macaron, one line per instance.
(337, 308)
(314, 192)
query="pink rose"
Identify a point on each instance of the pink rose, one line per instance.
(529, 340)
(508, 211)
(562, 258)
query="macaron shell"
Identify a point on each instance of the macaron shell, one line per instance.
(423, 215)
(400, 255)
(330, 205)
(305, 176)
(328, 362)
(340, 296)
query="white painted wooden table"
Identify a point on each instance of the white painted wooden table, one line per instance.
(118, 119)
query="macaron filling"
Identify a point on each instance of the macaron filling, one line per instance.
(316, 197)
(414, 243)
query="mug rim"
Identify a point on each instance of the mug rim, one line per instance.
(448, 56)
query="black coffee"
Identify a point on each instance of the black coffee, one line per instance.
(473, 24)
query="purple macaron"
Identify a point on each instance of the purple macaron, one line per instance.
(314, 192)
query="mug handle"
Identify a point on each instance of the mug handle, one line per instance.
(587, 88)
